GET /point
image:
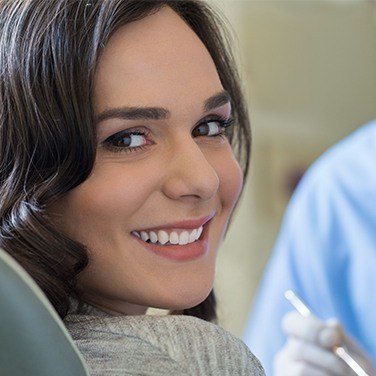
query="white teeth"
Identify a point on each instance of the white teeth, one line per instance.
(184, 238)
(144, 236)
(153, 237)
(163, 237)
(174, 238)
(199, 231)
(192, 236)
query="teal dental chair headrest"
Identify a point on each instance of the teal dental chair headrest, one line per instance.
(33, 339)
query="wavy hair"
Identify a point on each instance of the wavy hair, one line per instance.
(48, 56)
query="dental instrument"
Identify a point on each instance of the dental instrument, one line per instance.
(340, 351)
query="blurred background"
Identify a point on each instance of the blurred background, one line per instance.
(309, 72)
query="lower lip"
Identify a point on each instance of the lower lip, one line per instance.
(177, 252)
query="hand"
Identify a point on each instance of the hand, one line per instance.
(308, 350)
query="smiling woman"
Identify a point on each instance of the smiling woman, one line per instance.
(122, 133)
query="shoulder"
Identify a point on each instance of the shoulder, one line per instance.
(334, 194)
(350, 158)
(190, 345)
(346, 170)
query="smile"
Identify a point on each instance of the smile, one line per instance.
(170, 237)
(180, 241)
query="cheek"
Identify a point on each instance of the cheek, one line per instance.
(106, 200)
(231, 181)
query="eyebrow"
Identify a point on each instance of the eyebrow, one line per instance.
(158, 113)
(134, 113)
(217, 100)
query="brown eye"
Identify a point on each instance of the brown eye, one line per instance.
(128, 140)
(124, 141)
(209, 128)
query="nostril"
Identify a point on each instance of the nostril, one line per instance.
(190, 190)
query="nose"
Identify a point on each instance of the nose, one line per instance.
(190, 174)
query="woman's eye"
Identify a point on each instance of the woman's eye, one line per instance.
(211, 127)
(126, 140)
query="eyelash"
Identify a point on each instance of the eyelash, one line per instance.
(224, 124)
(109, 143)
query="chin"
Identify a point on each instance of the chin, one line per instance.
(185, 300)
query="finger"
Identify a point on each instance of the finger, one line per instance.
(311, 329)
(285, 366)
(353, 348)
(315, 357)
(305, 369)
(306, 328)
(346, 339)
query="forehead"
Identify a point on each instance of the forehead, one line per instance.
(154, 61)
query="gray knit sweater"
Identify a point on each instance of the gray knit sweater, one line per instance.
(157, 345)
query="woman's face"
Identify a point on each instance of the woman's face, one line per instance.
(156, 205)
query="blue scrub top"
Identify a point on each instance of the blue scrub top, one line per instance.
(326, 250)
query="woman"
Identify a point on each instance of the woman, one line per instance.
(118, 174)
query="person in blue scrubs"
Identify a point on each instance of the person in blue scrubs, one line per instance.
(326, 254)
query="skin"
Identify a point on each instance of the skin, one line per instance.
(176, 176)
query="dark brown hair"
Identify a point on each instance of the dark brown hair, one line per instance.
(48, 55)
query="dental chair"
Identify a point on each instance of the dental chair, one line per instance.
(33, 339)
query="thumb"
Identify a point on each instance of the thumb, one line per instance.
(332, 334)
(340, 338)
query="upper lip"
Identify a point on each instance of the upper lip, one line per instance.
(189, 224)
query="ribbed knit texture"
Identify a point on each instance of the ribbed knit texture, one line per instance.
(157, 345)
